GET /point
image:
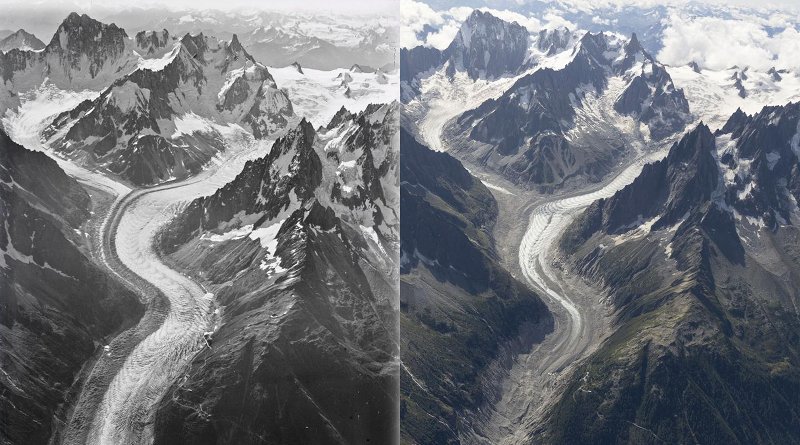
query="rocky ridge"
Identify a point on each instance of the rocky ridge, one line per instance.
(300, 250)
(174, 113)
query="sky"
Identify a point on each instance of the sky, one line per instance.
(745, 3)
(508, 4)
(317, 5)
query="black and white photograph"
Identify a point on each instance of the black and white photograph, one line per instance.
(201, 212)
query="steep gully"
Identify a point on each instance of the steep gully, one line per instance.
(119, 392)
(581, 315)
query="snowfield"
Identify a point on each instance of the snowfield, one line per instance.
(713, 98)
(158, 63)
(317, 95)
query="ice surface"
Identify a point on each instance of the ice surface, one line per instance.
(317, 95)
(713, 98)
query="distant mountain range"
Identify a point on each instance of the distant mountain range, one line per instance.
(315, 40)
(21, 40)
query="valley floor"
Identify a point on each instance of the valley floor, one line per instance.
(528, 226)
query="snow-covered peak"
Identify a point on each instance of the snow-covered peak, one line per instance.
(552, 41)
(82, 54)
(210, 83)
(359, 167)
(81, 34)
(487, 46)
(21, 40)
(481, 25)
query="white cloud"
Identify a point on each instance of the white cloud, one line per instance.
(718, 43)
(553, 20)
(459, 13)
(441, 39)
(531, 23)
(413, 18)
(593, 5)
(787, 47)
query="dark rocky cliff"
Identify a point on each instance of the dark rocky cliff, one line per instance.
(452, 287)
(700, 257)
(57, 308)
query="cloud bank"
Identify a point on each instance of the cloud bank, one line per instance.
(718, 43)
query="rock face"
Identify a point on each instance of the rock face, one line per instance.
(551, 41)
(83, 54)
(301, 253)
(692, 175)
(650, 95)
(152, 42)
(356, 68)
(56, 306)
(452, 287)
(21, 40)
(169, 113)
(487, 47)
(700, 257)
(759, 164)
(523, 134)
(298, 67)
(413, 63)
(417, 60)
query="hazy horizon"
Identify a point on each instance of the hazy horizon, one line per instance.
(42, 18)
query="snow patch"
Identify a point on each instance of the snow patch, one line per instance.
(230, 235)
(158, 64)
(268, 236)
(496, 188)
(317, 95)
(190, 123)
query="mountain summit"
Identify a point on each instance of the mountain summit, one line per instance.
(21, 40)
(487, 46)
